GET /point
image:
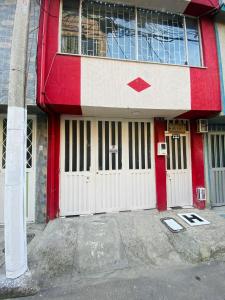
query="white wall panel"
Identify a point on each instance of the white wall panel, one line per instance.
(104, 85)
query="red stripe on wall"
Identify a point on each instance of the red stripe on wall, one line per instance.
(63, 84)
(205, 82)
(53, 166)
(59, 76)
(58, 91)
(160, 166)
(197, 161)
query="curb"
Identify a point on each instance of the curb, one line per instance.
(20, 287)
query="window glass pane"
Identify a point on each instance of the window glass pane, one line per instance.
(88, 145)
(74, 148)
(130, 146)
(194, 56)
(81, 145)
(212, 152)
(184, 152)
(223, 150)
(136, 146)
(149, 145)
(67, 146)
(119, 146)
(106, 145)
(179, 153)
(173, 154)
(142, 145)
(168, 153)
(113, 140)
(70, 26)
(100, 153)
(160, 37)
(108, 30)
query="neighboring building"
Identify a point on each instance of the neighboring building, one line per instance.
(215, 139)
(120, 83)
(37, 120)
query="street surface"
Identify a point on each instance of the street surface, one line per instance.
(200, 282)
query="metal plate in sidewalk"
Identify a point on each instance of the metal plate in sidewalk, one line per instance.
(172, 225)
(193, 219)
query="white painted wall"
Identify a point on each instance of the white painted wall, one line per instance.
(104, 87)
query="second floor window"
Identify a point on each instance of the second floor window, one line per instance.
(121, 32)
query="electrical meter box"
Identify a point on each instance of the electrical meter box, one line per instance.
(162, 149)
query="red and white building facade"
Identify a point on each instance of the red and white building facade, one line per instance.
(121, 82)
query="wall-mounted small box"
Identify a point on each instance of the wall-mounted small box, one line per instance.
(201, 194)
(162, 149)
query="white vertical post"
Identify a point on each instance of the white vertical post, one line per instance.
(15, 173)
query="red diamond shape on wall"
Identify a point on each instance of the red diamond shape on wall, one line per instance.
(139, 84)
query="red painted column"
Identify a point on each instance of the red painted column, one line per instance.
(53, 166)
(197, 162)
(160, 166)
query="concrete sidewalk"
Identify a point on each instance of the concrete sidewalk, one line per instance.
(88, 247)
(33, 230)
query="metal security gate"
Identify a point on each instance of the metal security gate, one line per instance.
(179, 185)
(30, 167)
(216, 149)
(106, 166)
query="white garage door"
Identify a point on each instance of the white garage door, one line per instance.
(30, 167)
(106, 166)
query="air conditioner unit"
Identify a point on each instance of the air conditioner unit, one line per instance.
(202, 126)
(201, 194)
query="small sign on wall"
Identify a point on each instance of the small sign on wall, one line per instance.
(193, 219)
(176, 127)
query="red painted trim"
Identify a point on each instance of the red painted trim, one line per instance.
(63, 83)
(53, 166)
(205, 83)
(160, 166)
(200, 7)
(41, 53)
(197, 163)
(59, 76)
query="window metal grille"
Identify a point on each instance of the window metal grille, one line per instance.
(29, 145)
(4, 131)
(217, 145)
(70, 27)
(121, 32)
(29, 149)
(109, 30)
(161, 37)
